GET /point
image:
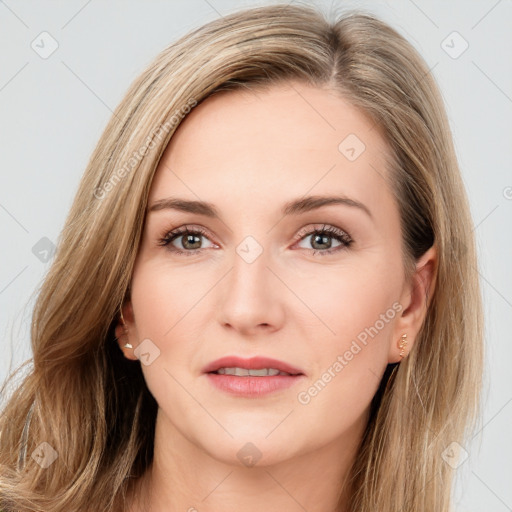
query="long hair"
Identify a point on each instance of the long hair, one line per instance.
(79, 429)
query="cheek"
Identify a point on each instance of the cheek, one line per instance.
(166, 303)
(165, 300)
(347, 369)
(343, 302)
(351, 317)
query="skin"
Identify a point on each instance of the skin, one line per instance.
(249, 153)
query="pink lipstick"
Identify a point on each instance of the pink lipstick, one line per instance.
(252, 377)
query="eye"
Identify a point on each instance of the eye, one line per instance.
(190, 242)
(188, 238)
(321, 239)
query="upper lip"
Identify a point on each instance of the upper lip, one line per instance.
(253, 363)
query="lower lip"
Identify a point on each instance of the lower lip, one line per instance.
(252, 386)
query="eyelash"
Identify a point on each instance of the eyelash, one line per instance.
(331, 231)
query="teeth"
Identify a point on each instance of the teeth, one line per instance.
(244, 372)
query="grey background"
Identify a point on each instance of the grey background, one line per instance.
(52, 111)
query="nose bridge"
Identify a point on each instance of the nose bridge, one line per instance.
(249, 297)
(250, 265)
(249, 276)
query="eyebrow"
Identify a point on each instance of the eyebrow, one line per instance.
(295, 207)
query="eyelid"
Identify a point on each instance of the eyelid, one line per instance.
(328, 228)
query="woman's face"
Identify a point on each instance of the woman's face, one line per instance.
(256, 281)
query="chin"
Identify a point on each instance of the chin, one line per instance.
(251, 450)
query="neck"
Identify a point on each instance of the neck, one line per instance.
(183, 477)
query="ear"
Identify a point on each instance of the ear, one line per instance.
(124, 332)
(415, 300)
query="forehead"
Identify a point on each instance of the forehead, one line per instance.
(282, 141)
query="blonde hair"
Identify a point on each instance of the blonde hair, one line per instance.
(92, 406)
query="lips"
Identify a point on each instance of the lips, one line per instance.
(247, 385)
(253, 363)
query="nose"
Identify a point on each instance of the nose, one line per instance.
(251, 298)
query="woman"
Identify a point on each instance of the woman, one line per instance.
(265, 292)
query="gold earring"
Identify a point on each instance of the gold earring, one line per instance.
(126, 345)
(402, 344)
